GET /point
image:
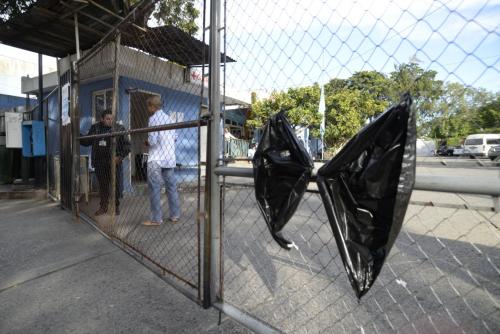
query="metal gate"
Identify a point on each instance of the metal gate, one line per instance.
(137, 172)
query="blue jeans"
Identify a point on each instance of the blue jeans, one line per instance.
(156, 176)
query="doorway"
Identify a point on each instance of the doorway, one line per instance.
(139, 118)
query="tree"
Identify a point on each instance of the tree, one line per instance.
(349, 104)
(12, 8)
(464, 110)
(423, 87)
(487, 118)
(347, 110)
(453, 116)
(300, 103)
(335, 85)
(343, 118)
(178, 13)
(372, 83)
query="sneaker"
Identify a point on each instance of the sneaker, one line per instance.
(117, 211)
(100, 212)
(173, 220)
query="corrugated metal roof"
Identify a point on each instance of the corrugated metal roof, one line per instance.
(49, 28)
(171, 43)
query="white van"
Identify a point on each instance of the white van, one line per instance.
(479, 145)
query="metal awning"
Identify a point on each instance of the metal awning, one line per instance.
(171, 43)
(48, 28)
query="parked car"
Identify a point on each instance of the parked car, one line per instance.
(458, 150)
(478, 145)
(494, 153)
(445, 150)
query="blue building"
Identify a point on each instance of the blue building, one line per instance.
(140, 76)
(9, 101)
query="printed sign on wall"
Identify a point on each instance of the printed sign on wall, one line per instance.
(65, 105)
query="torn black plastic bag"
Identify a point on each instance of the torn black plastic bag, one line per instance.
(366, 188)
(281, 171)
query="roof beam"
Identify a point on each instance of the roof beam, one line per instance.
(88, 15)
(43, 41)
(30, 46)
(114, 14)
(68, 21)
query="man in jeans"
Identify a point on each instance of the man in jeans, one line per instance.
(161, 164)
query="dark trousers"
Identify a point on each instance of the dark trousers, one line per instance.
(103, 173)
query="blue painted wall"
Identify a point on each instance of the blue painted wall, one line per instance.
(86, 101)
(9, 101)
(173, 101)
(181, 102)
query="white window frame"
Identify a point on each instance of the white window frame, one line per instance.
(95, 118)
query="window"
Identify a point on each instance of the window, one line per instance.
(474, 141)
(102, 100)
(493, 141)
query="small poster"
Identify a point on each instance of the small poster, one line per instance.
(65, 105)
(13, 131)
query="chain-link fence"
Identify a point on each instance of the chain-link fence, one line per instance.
(442, 273)
(143, 167)
(141, 177)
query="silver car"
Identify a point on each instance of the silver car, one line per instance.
(494, 153)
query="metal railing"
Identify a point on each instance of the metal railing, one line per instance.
(236, 148)
(441, 268)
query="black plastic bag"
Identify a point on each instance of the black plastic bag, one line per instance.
(281, 171)
(366, 188)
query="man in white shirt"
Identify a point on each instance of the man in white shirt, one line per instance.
(161, 164)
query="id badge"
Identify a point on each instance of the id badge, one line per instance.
(102, 143)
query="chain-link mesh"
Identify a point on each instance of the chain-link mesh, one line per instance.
(144, 170)
(281, 44)
(140, 174)
(53, 147)
(441, 275)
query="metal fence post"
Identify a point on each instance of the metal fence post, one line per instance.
(212, 199)
(114, 111)
(75, 123)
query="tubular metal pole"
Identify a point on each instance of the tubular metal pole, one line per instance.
(211, 254)
(114, 109)
(489, 186)
(37, 116)
(77, 37)
(75, 122)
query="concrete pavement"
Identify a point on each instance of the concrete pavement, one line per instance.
(60, 276)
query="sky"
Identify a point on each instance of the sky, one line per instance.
(280, 44)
